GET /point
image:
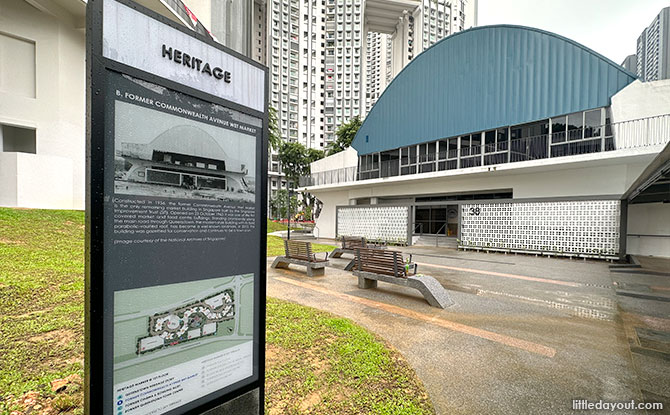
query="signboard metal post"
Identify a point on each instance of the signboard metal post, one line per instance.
(175, 217)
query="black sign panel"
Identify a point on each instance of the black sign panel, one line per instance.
(175, 216)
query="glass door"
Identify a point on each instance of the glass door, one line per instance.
(452, 220)
(422, 220)
(430, 220)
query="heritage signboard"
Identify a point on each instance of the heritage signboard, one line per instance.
(175, 216)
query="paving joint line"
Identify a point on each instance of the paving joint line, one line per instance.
(525, 345)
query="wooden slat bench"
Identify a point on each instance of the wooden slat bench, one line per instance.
(373, 265)
(351, 243)
(300, 253)
(413, 266)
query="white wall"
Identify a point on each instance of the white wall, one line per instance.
(326, 220)
(601, 178)
(605, 180)
(346, 158)
(8, 165)
(641, 100)
(36, 181)
(649, 219)
(57, 109)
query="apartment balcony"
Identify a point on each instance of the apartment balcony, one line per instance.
(628, 135)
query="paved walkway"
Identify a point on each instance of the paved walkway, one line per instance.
(526, 335)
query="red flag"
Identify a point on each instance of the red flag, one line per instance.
(194, 19)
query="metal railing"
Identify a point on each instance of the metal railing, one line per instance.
(348, 174)
(437, 235)
(420, 226)
(644, 132)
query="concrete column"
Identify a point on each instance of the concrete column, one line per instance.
(482, 147)
(374, 201)
(399, 52)
(458, 152)
(405, 37)
(623, 229)
(352, 202)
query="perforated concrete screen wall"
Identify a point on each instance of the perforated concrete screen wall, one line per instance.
(572, 228)
(375, 223)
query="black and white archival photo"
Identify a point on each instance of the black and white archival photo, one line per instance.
(166, 155)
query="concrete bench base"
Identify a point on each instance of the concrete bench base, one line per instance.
(428, 286)
(313, 268)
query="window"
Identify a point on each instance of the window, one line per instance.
(502, 139)
(17, 66)
(592, 124)
(490, 140)
(408, 160)
(558, 128)
(476, 141)
(369, 166)
(529, 141)
(575, 125)
(17, 139)
(390, 163)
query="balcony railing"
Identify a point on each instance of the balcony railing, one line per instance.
(348, 174)
(639, 133)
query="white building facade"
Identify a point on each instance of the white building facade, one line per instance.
(43, 90)
(653, 49)
(322, 72)
(42, 104)
(508, 167)
(378, 61)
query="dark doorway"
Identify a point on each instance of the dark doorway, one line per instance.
(436, 220)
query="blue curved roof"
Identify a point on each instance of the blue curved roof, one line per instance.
(488, 77)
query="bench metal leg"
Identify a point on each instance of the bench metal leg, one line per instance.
(365, 283)
(279, 262)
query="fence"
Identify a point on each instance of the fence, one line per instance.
(388, 224)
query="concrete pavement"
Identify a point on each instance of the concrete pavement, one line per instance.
(526, 334)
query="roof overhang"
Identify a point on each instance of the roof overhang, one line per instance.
(653, 185)
(383, 15)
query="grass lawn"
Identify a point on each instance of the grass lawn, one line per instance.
(317, 363)
(276, 246)
(275, 226)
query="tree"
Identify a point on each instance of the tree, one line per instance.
(274, 136)
(314, 155)
(295, 160)
(279, 203)
(345, 135)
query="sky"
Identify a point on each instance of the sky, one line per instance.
(610, 27)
